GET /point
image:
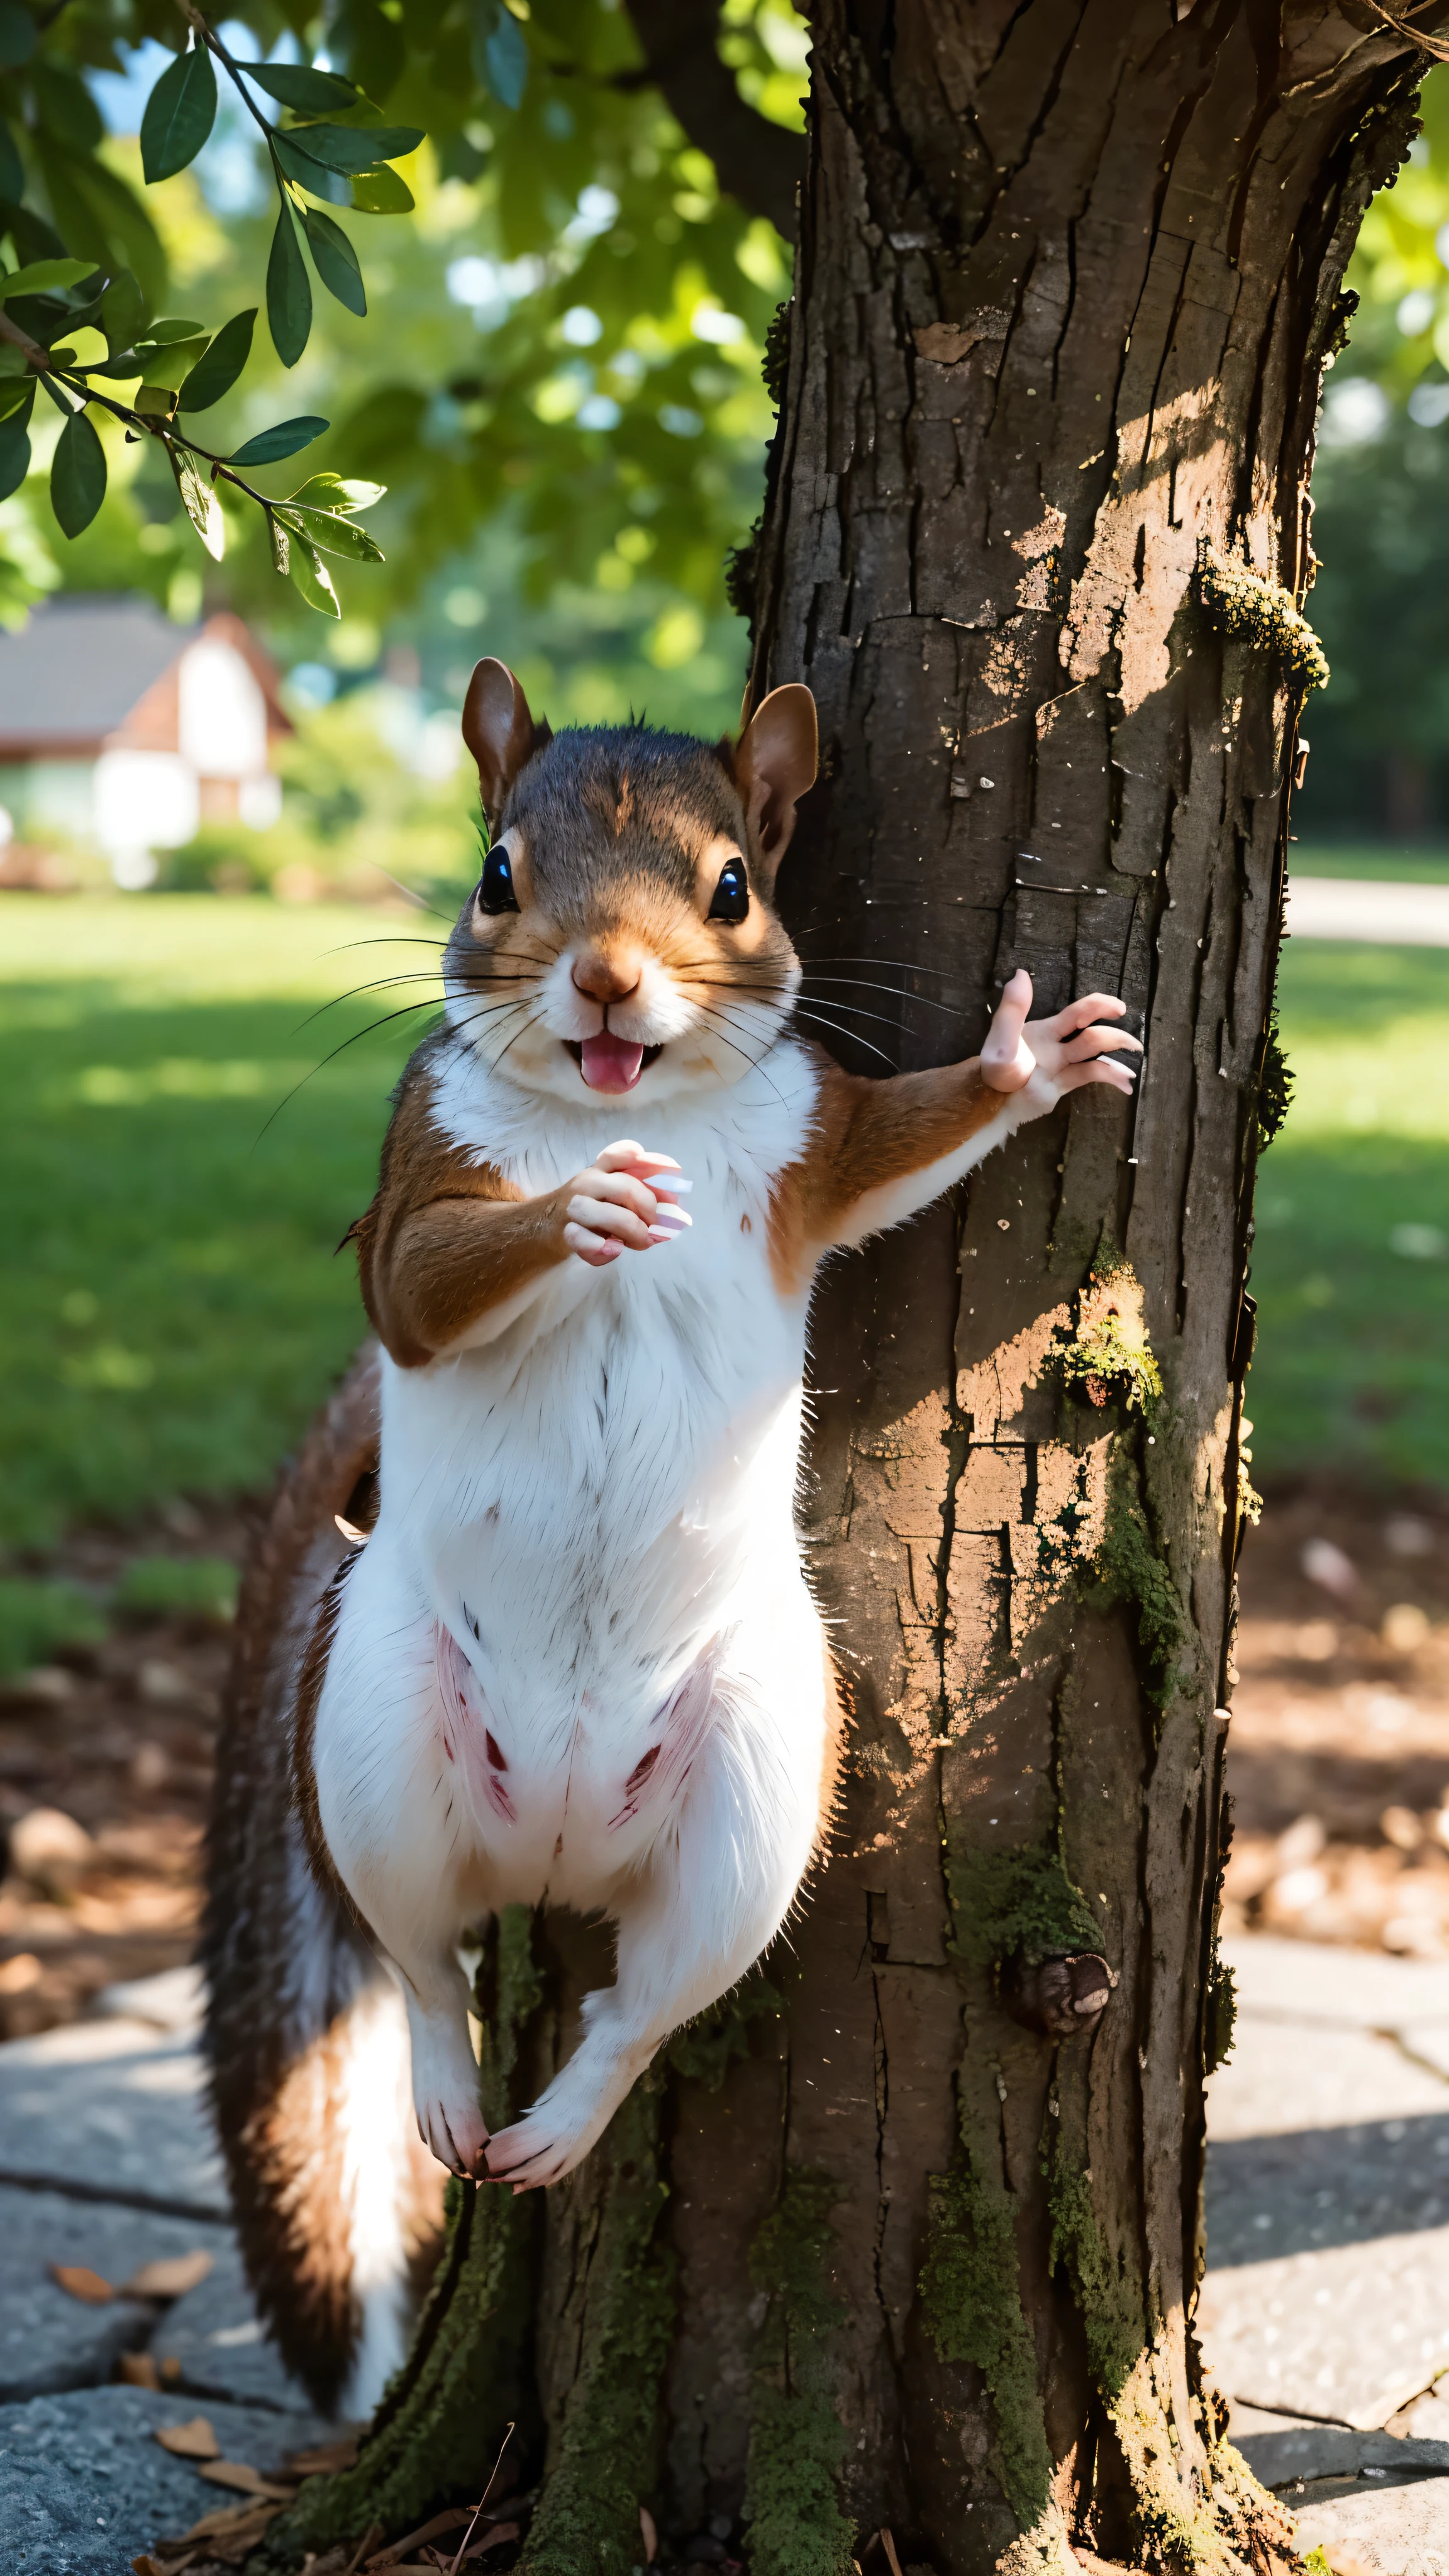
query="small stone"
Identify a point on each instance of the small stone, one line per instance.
(149, 1768)
(50, 1849)
(1405, 1628)
(44, 1686)
(164, 1685)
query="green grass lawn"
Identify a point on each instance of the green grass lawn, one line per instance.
(171, 1308)
(1415, 863)
(170, 1305)
(1351, 1261)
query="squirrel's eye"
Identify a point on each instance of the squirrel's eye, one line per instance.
(732, 894)
(495, 886)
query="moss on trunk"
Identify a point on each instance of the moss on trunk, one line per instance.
(797, 2441)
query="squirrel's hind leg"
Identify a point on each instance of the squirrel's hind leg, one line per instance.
(719, 1882)
(394, 1820)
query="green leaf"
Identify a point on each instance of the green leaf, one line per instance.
(77, 475)
(281, 546)
(500, 52)
(284, 439)
(335, 260)
(311, 575)
(333, 534)
(331, 492)
(123, 312)
(382, 191)
(98, 213)
(199, 501)
(41, 274)
(347, 147)
(370, 47)
(217, 372)
(17, 393)
(17, 37)
(12, 168)
(173, 327)
(304, 172)
(180, 113)
(298, 85)
(15, 445)
(168, 361)
(289, 296)
(67, 111)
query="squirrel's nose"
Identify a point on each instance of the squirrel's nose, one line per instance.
(606, 976)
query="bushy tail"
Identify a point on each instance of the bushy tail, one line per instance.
(338, 2204)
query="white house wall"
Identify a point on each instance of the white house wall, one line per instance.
(222, 712)
(144, 800)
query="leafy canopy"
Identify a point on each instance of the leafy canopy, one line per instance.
(568, 309)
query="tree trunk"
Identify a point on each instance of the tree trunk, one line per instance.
(929, 2249)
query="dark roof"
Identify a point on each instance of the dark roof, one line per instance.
(77, 668)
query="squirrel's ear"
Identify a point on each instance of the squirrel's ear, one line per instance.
(775, 763)
(499, 732)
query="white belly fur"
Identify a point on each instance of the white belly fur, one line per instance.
(586, 1549)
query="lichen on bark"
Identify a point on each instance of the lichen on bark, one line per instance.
(1019, 1903)
(1241, 602)
(602, 2457)
(1109, 1355)
(1129, 1570)
(797, 2441)
(1106, 2287)
(970, 2291)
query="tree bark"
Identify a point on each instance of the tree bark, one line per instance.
(929, 2250)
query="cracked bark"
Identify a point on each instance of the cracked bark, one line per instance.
(1066, 282)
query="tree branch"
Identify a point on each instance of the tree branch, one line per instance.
(757, 163)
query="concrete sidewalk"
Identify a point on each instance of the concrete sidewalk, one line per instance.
(1325, 2315)
(1397, 915)
(107, 2164)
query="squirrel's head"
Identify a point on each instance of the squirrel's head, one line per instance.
(623, 931)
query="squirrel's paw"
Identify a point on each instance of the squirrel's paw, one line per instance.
(565, 2121)
(445, 2097)
(453, 2131)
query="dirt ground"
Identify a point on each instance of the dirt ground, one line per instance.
(1338, 1759)
(119, 1739)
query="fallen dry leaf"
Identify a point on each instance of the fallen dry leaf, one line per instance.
(228, 2520)
(170, 2276)
(245, 2479)
(145, 2565)
(888, 2545)
(325, 2460)
(193, 2440)
(79, 2282)
(138, 2370)
(454, 2519)
(649, 2535)
(494, 2539)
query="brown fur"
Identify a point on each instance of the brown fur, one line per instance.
(445, 1238)
(866, 1135)
(274, 2067)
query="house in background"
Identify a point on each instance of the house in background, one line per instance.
(121, 730)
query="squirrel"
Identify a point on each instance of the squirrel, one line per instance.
(575, 1660)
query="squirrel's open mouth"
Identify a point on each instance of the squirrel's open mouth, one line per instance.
(608, 1063)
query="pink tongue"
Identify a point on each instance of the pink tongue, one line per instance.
(610, 1063)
